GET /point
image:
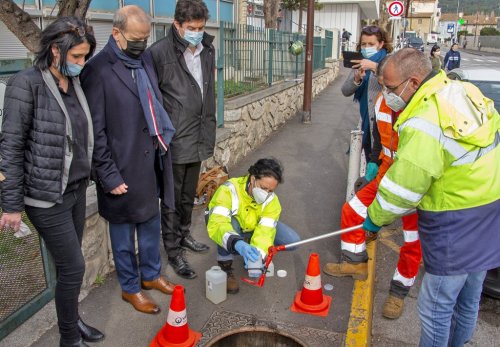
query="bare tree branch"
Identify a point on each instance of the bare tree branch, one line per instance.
(20, 23)
(67, 8)
(82, 9)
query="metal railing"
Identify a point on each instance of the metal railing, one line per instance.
(27, 277)
(252, 57)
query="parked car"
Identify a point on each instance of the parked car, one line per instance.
(488, 81)
(415, 42)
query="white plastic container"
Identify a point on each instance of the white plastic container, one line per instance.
(216, 285)
(255, 267)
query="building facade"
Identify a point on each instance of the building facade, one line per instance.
(100, 16)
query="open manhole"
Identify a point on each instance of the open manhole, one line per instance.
(225, 328)
(255, 336)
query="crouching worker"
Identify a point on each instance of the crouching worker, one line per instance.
(246, 208)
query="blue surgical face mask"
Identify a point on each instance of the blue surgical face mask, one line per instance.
(193, 37)
(72, 70)
(369, 52)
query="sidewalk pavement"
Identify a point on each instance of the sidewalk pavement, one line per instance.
(315, 161)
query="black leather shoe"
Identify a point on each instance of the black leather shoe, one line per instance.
(73, 344)
(89, 334)
(193, 245)
(181, 267)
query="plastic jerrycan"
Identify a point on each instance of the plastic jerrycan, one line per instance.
(216, 285)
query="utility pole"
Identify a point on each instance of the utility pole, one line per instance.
(456, 23)
(406, 18)
(306, 109)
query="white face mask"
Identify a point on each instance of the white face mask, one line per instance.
(437, 53)
(259, 194)
(395, 102)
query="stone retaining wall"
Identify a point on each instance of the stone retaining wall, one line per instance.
(249, 120)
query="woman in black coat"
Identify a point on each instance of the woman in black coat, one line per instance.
(46, 150)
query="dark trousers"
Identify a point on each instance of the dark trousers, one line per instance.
(123, 246)
(175, 224)
(61, 227)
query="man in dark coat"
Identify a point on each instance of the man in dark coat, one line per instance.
(185, 63)
(131, 161)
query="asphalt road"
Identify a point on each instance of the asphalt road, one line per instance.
(473, 58)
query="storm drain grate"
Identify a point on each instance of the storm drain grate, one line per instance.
(22, 275)
(221, 322)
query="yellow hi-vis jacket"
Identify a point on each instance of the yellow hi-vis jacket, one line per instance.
(448, 167)
(232, 200)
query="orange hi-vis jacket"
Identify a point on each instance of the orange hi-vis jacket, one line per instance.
(385, 118)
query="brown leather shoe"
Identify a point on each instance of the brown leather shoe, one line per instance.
(160, 284)
(141, 302)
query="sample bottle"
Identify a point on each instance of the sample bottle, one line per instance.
(216, 284)
(255, 267)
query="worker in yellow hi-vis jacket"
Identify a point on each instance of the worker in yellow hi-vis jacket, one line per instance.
(247, 208)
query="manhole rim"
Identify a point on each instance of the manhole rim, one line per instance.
(254, 329)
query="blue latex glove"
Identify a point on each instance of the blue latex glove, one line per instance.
(248, 252)
(368, 225)
(371, 171)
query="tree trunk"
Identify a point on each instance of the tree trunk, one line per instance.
(83, 6)
(271, 13)
(301, 11)
(25, 29)
(21, 24)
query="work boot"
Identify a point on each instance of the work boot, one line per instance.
(393, 307)
(232, 283)
(358, 271)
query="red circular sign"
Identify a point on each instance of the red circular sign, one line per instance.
(396, 8)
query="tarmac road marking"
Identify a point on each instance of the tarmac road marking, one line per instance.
(492, 61)
(480, 60)
(359, 329)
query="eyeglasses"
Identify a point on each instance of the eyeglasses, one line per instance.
(371, 29)
(79, 30)
(393, 89)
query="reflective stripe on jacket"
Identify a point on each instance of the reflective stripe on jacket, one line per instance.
(232, 200)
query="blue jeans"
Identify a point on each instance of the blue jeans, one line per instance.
(284, 235)
(448, 307)
(123, 246)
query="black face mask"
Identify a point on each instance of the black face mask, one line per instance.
(134, 48)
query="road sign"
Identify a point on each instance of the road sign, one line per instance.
(395, 8)
(451, 28)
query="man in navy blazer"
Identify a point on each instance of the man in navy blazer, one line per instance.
(131, 163)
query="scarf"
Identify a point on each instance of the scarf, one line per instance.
(157, 119)
(361, 95)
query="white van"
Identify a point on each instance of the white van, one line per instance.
(432, 39)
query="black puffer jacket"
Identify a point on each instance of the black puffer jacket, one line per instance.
(193, 117)
(36, 131)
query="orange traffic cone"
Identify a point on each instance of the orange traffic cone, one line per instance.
(311, 299)
(176, 332)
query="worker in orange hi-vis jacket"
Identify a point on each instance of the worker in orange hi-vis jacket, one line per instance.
(354, 212)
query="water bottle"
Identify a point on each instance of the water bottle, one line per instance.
(216, 285)
(255, 267)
